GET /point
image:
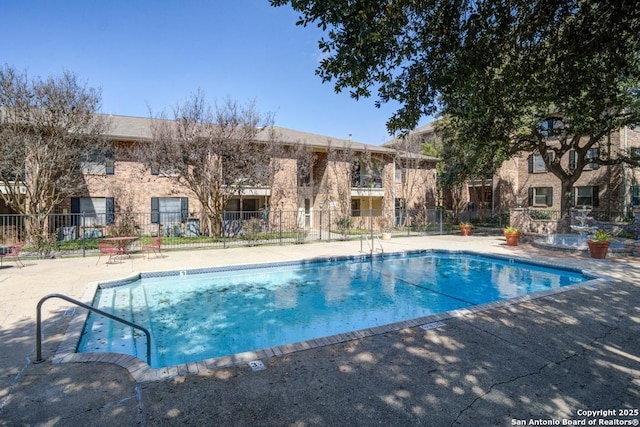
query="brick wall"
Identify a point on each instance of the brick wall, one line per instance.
(514, 178)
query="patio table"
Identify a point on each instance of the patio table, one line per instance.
(123, 244)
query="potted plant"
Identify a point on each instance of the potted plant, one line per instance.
(465, 228)
(384, 225)
(599, 244)
(512, 235)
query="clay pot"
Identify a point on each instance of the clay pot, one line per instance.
(465, 230)
(512, 238)
(598, 249)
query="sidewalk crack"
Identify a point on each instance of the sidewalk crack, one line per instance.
(586, 347)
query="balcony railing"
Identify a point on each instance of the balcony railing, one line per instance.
(366, 181)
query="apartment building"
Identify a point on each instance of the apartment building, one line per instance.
(524, 181)
(611, 190)
(362, 178)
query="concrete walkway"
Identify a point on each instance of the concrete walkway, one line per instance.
(552, 358)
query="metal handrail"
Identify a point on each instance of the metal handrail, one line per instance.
(371, 247)
(379, 244)
(39, 358)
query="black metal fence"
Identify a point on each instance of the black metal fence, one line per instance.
(78, 234)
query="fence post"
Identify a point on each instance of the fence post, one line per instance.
(329, 226)
(280, 227)
(371, 224)
(224, 237)
(440, 217)
(81, 230)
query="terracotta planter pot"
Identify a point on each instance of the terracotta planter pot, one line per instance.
(465, 230)
(512, 238)
(598, 249)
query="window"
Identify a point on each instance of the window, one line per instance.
(551, 126)
(96, 211)
(248, 205)
(401, 175)
(11, 176)
(355, 207)
(165, 171)
(307, 212)
(367, 175)
(97, 164)
(304, 176)
(541, 196)
(400, 208)
(635, 195)
(169, 210)
(592, 154)
(536, 163)
(585, 196)
(635, 154)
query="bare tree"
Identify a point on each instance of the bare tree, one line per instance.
(217, 153)
(304, 186)
(337, 185)
(416, 179)
(49, 132)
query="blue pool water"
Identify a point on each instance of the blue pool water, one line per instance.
(195, 316)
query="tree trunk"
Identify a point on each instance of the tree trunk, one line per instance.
(565, 197)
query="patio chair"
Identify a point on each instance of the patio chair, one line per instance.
(155, 246)
(109, 248)
(13, 253)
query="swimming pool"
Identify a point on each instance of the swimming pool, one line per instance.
(202, 314)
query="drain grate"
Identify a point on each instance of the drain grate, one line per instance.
(69, 312)
(257, 365)
(431, 325)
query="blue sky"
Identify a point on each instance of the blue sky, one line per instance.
(147, 54)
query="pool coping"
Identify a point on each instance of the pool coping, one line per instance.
(141, 372)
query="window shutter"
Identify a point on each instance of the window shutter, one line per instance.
(530, 191)
(155, 210)
(596, 195)
(109, 164)
(531, 163)
(111, 209)
(75, 209)
(550, 197)
(75, 205)
(109, 168)
(184, 208)
(572, 159)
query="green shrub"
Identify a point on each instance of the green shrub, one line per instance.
(539, 214)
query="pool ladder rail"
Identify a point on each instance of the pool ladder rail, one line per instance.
(372, 246)
(39, 358)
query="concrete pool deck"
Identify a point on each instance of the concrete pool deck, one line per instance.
(549, 358)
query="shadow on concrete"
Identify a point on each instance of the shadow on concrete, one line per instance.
(61, 394)
(541, 359)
